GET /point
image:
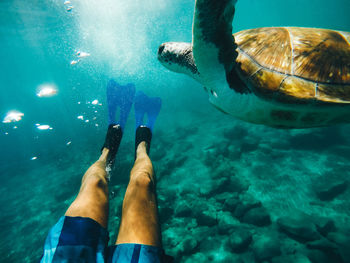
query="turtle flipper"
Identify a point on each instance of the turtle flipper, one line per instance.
(213, 43)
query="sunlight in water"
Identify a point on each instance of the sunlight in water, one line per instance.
(44, 127)
(13, 116)
(47, 90)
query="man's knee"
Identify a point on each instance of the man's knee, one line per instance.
(143, 179)
(95, 178)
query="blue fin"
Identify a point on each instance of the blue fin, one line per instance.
(119, 96)
(145, 104)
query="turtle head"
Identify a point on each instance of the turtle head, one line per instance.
(178, 57)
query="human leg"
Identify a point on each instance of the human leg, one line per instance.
(140, 220)
(92, 200)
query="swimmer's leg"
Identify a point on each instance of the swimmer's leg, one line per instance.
(92, 200)
(140, 220)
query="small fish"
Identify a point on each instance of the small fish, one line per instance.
(81, 117)
(69, 8)
(67, 3)
(94, 102)
(34, 158)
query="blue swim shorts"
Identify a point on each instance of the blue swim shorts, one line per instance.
(78, 239)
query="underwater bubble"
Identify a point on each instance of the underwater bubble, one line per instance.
(15, 127)
(13, 116)
(6, 133)
(87, 121)
(33, 158)
(44, 127)
(47, 90)
(82, 54)
(94, 102)
(73, 62)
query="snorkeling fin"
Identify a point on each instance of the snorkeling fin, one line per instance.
(149, 105)
(122, 97)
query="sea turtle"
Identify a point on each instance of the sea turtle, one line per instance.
(284, 77)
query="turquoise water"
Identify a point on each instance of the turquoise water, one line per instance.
(207, 163)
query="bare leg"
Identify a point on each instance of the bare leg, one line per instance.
(92, 200)
(140, 223)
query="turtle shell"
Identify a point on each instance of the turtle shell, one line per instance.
(296, 65)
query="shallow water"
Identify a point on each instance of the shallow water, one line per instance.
(206, 162)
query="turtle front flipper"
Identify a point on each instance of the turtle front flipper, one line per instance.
(214, 47)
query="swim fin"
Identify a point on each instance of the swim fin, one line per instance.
(122, 97)
(143, 105)
(149, 105)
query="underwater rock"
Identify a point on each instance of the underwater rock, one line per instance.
(221, 198)
(198, 257)
(318, 256)
(266, 247)
(165, 213)
(343, 242)
(291, 259)
(329, 191)
(183, 210)
(247, 147)
(257, 216)
(206, 219)
(158, 154)
(235, 133)
(188, 245)
(322, 244)
(230, 184)
(240, 240)
(247, 202)
(299, 228)
(176, 162)
(226, 223)
(231, 203)
(324, 225)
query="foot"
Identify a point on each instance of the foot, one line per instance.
(112, 142)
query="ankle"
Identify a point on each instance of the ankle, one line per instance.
(104, 155)
(141, 149)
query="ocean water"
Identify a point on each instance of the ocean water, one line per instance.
(228, 191)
